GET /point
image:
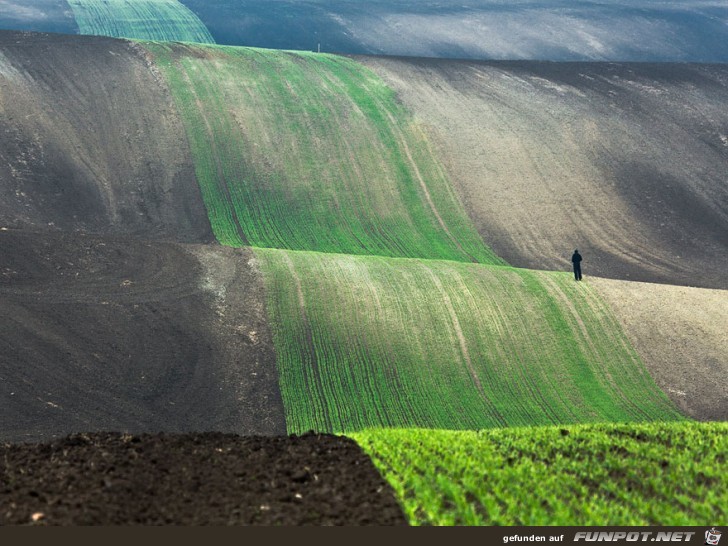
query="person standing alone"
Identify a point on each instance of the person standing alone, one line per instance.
(576, 260)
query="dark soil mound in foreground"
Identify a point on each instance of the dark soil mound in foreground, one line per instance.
(192, 479)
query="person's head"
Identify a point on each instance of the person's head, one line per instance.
(576, 252)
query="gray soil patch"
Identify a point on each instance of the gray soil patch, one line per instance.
(681, 335)
(134, 336)
(92, 141)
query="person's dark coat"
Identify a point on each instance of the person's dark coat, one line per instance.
(576, 260)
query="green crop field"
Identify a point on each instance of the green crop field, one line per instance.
(385, 342)
(164, 20)
(604, 474)
(313, 152)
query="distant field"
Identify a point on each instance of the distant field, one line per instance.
(37, 16)
(549, 30)
(604, 474)
(378, 342)
(164, 20)
(313, 152)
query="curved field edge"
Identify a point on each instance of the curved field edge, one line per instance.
(313, 152)
(601, 474)
(680, 334)
(164, 20)
(367, 341)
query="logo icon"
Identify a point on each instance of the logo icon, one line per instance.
(712, 536)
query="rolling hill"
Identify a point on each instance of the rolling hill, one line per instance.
(378, 342)
(197, 238)
(149, 19)
(624, 161)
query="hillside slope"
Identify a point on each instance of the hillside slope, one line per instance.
(312, 152)
(112, 320)
(92, 141)
(385, 342)
(164, 20)
(625, 162)
(108, 333)
(681, 333)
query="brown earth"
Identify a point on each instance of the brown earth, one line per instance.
(193, 479)
(625, 162)
(109, 333)
(112, 321)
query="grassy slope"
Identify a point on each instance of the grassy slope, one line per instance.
(141, 19)
(638, 474)
(313, 152)
(380, 342)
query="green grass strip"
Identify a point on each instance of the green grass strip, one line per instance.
(313, 152)
(384, 342)
(163, 20)
(604, 474)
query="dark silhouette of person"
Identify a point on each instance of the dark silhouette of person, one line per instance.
(576, 260)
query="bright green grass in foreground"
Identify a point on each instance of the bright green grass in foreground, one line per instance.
(164, 20)
(313, 152)
(605, 474)
(384, 342)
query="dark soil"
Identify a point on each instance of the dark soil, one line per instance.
(103, 333)
(113, 316)
(193, 479)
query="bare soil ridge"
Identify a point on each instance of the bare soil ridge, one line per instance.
(540, 153)
(92, 141)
